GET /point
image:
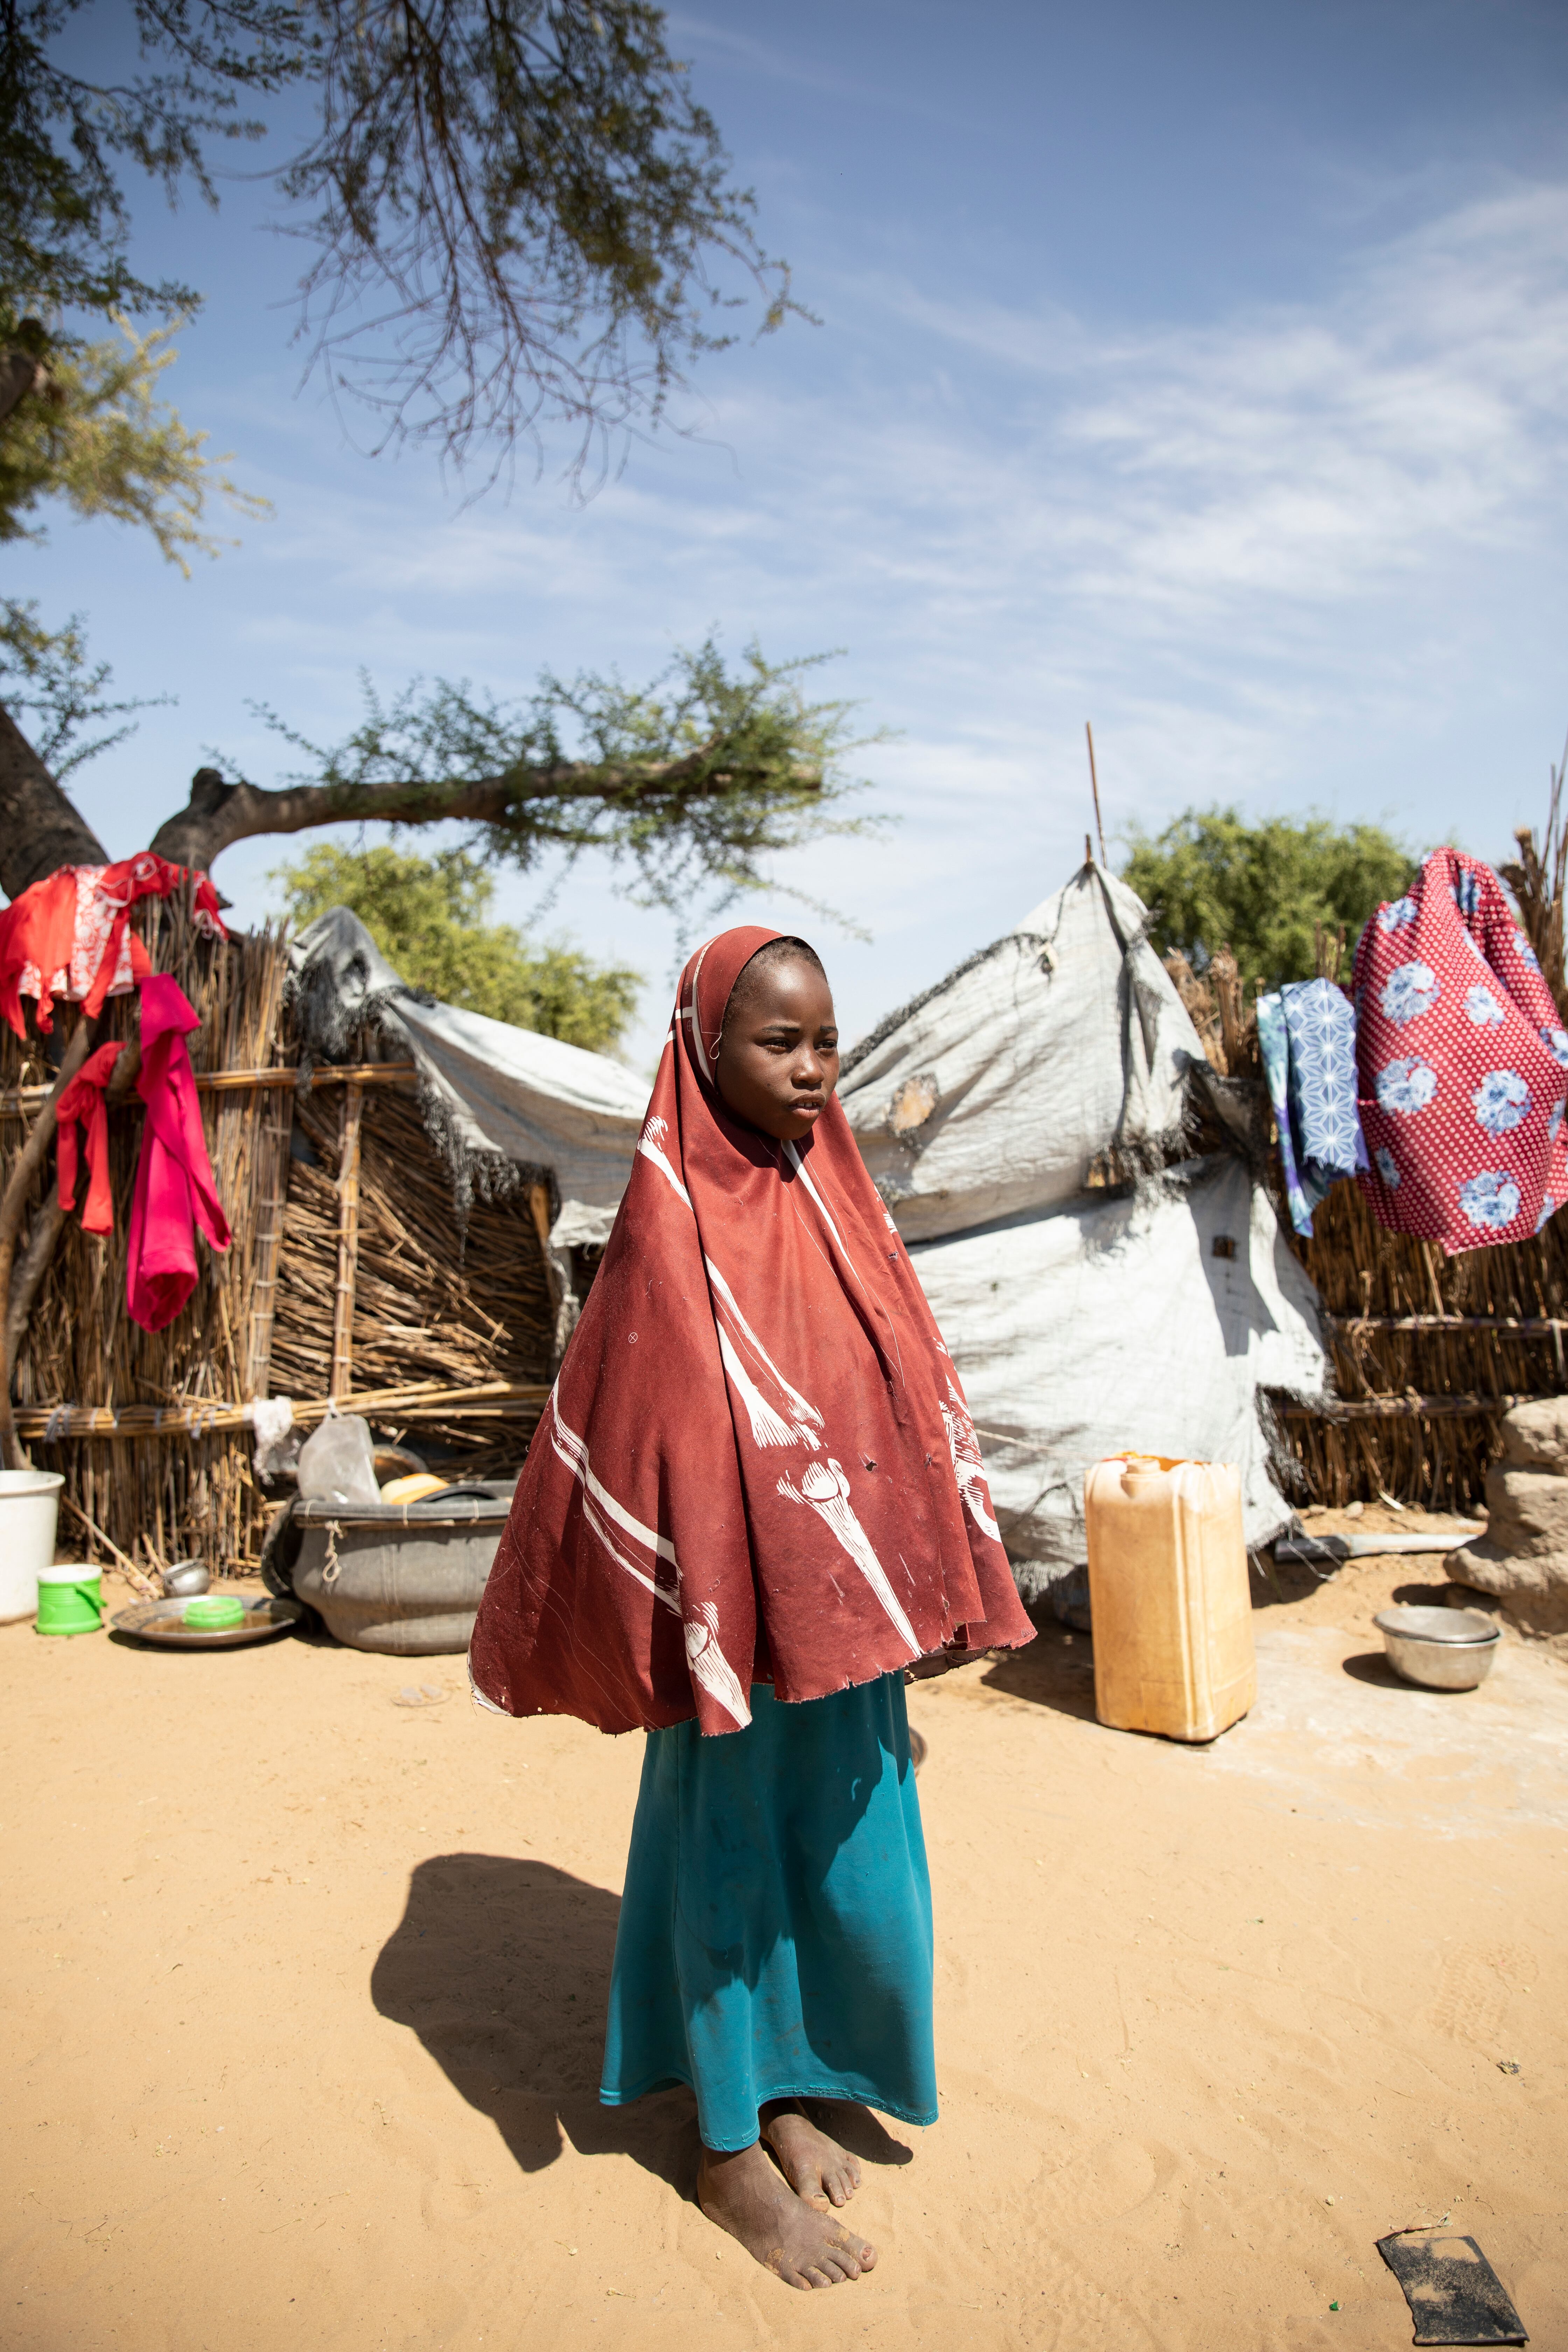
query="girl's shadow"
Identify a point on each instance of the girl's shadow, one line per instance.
(501, 1968)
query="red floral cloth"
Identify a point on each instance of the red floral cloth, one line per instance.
(83, 1104)
(756, 1463)
(70, 935)
(1462, 1057)
(174, 1187)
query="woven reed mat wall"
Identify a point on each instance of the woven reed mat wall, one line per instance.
(1417, 1424)
(432, 1303)
(158, 1501)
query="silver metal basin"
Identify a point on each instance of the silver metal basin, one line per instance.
(1441, 1649)
(406, 1578)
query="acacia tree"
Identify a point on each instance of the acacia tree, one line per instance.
(511, 213)
(514, 215)
(687, 783)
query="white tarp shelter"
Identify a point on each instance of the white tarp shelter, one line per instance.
(1084, 1320)
(490, 1090)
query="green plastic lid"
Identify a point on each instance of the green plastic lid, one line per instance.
(214, 1613)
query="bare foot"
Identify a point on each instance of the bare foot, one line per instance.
(816, 2167)
(743, 2194)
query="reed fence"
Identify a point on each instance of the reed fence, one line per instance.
(349, 1279)
(1427, 1352)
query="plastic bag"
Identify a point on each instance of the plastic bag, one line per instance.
(337, 1464)
(276, 1439)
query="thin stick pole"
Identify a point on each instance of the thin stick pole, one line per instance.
(348, 1245)
(126, 1564)
(1094, 787)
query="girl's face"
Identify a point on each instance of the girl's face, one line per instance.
(778, 1058)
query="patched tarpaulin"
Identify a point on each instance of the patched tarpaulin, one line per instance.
(1147, 1320)
(998, 1089)
(490, 1093)
(1083, 1320)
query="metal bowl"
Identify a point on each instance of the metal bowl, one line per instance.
(1441, 1649)
(187, 1580)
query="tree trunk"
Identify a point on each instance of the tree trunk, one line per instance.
(24, 1168)
(31, 1266)
(20, 374)
(39, 829)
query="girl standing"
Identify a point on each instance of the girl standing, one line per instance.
(754, 1500)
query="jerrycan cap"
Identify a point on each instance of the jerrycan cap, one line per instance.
(1146, 1466)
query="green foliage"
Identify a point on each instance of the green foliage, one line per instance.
(1212, 880)
(427, 916)
(586, 764)
(101, 439)
(46, 678)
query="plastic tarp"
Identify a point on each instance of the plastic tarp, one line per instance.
(494, 1090)
(1085, 1319)
(998, 1089)
(1110, 1323)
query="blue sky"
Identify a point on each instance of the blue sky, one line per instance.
(1199, 371)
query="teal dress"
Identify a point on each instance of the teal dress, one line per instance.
(776, 1932)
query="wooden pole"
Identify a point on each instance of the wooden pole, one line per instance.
(16, 1101)
(1094, 787)
(272, 1199)
(210, 1417)
(341, 1380)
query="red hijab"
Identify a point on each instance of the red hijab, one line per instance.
(756, 1463)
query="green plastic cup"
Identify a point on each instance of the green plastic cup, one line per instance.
(214, 1613)
(70, 1600)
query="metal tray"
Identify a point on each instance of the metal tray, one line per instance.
(162, 1621)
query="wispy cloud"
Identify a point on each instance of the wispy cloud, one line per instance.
(1297, 554)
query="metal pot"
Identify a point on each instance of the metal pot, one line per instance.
(185, 1579)
(1441, 1649)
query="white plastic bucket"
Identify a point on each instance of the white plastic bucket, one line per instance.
(29, 1507)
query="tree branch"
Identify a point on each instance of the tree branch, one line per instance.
(218, 813)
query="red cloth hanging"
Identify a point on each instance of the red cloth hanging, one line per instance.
(82, 1102)
(70, 936)
(175, 1186)
(1462, 1055)
(757, 1462)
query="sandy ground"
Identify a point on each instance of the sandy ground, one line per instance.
(305, 1993)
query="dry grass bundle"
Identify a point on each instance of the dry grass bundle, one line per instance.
(1537, 883)
(1218, 1009)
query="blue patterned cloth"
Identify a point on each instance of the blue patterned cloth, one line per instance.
(776, 1932)
(1307, 1034)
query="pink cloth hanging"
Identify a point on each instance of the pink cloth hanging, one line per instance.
(175, 1186)
(83, 1102)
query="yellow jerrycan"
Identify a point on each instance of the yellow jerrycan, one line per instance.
(1168, 1596)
